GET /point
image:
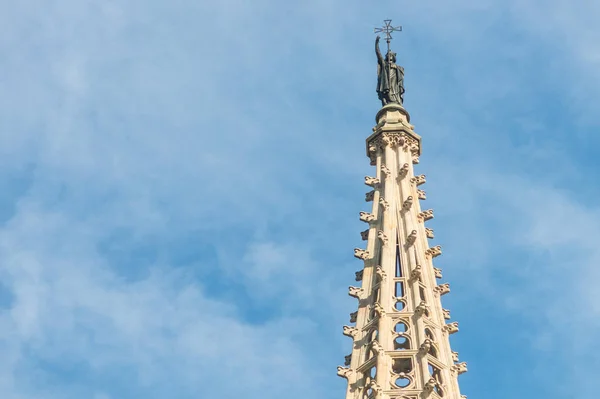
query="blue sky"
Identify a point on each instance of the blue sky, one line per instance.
(181, 181)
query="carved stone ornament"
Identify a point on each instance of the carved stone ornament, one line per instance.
(455, 357)
(411, 238)
(355, 292)
(459, 368)
(350, 331)
(415, 159)
(451, 328)
(353, 317)
(345, 372)
(361, 254)
(425, 346)
(389, 139)
(437, 272)
(421, 194)
(371, 181)
(393, 139)
(416, 273)
(379, 309)
(384, 239)
(375, 387)
(369, 196)
(384, 203)
(367, 217)
(358, 276)
(376, 346)
(364, 235)
(418, 180)
(422, 308)
(442, 289)
(379, 271)
(429, 233)
(446, 314)
(407, 203)
(403, 170)
(426, 215)
(434, 251)
(347, 360)
(385, 170)
(430, 385)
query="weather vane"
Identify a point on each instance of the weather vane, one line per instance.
(388, 29)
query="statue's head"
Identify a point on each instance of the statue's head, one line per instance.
(390, 57)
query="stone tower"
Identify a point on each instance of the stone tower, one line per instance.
(400, 332)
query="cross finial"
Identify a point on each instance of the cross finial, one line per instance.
(388, 29)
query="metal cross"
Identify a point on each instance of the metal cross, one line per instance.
(388, 29)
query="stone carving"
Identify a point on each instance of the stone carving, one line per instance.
(367, 217)
(442, 289)
(379, 310)
(429, 233)
(455, 357)
(381, 235)
(422, 308)
(407, 203)
(416, 273)
(355, 292)
(358, 276)
(446, 314)
(411, 238)
(347, 360)
(426, 215)
(437, 272)
(369, 196)
(384, 203)
(375, 387)
(434, 251)
(451, 328)
(371, 181)
(364, 235)
(345, 372)
(361, 254)
(376, 346)
(353, 317)
(379, 271)
(350, 331)
(430, 385)
(403, 170)
(463, 396)
(421, 194)
(372, 147)
(418, 180)
(385, 170)
(415, 159)
(425, 346)
(459, 368)
(393, 140)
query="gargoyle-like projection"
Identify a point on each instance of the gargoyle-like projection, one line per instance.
(426, 215)
(422, 195)
(344, 372)
(364, 235)
(459, 368)
(434, 251)
(411, 238)
(442, 289)
(361, 254)
(347, 360)
(369, 196)
(376, 346)
(385, 170)
(371, 181)
(350, 331)
(403, 170)
(429, 233)
(446, 314)
(384, 203)
(358, 276)
(353, 317)
(425, 346)
(384, 239)
(355, 292)
(416, 273)
(419, 180)
(366, 217)
(379, 271)
(451, 328)
(379, 310)
(422, 308)
(407, 203)
(455, 357)
(437, 272)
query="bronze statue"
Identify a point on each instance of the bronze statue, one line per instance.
(390, 77)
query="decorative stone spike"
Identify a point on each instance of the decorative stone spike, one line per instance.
(455, 357)
(371, 181)
(381, 235)
(364, 235)
(355, 292)
(437, 272)
(426, 215)
(429, 233)
(350, 331)
(369, 196)
(418, 180)
(407, 203)
(359, 275)
(361, 254)
(421, 194)
(384, 203)
(379, 271)
(442, 289)
(367, 217)
(385, 170)
(446, 314)
(451, 328)
(434, 251)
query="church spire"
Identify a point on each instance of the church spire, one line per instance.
(400, 332)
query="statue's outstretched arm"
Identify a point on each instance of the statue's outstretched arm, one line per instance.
(379, 56)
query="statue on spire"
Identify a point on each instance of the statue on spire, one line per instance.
(390, 76)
